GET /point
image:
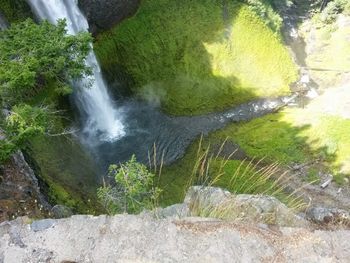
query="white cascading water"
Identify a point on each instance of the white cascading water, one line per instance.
(102, 118)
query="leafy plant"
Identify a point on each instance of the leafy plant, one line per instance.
(133, 191)
(34, 57)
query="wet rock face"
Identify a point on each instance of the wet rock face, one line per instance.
(19, 191)
(103, 14)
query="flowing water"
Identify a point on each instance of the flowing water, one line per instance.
(101, 119)
(147, 126)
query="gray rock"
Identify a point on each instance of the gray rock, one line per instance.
(207, 195)
(177, 211)
(324, 215)
(61, 211)
(103, 14)
(19, 190)
(42, 224)
(130, 238)
(216, 202)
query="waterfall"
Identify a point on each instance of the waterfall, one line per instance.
(102, 119)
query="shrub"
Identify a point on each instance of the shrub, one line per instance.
(133, 190)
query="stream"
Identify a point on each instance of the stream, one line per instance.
(146, 126)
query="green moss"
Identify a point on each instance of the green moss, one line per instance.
(67, 172)
(271, 137)
(339, 179)
(198, 56)
(15, 10)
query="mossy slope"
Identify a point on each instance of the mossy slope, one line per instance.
(198, 56)
(67, 171)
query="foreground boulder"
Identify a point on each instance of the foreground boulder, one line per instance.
(129, 238)
(324, 216)
(214, 202)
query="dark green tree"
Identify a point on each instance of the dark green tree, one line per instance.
(38, 63)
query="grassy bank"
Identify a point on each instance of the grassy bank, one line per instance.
(208, 163)
(198, 56)
(293, 136)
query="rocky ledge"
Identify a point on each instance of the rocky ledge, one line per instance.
(130, 238)
(19, 190)
(251, 229)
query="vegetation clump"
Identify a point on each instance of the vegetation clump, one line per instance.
(133, 191)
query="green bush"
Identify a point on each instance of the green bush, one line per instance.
(264, 10)
(134, 189)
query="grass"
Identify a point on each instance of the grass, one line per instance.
(195, 57)
(291, 136)
(271, 137)
(203, 166)
(295, 136)
(312, 176)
